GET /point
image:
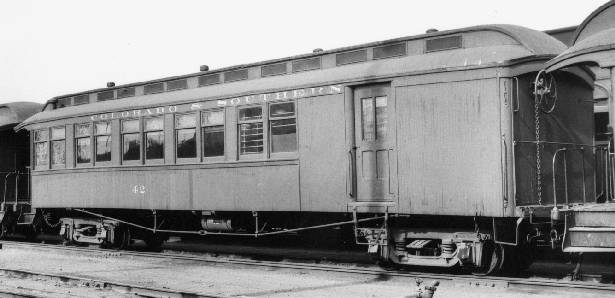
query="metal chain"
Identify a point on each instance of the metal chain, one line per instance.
(537, 102)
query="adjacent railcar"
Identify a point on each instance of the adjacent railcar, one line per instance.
(15, 165)
(432, 145)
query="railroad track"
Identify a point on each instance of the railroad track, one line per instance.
(508, 282)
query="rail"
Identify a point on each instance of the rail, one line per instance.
(542, 282)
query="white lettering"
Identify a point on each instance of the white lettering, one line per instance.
(149, 112)
(160, 110)
(94, 117)
(136, 113)
(221, 103)
(103, 116)
(172, 109)
(197, 106)
(125, 114)
(235, 101)
(299, 93)
(336, 89)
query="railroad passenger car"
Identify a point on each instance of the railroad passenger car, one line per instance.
(14, 165)
(438, 148)
(591, 227)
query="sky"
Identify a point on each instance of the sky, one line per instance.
(52, 48)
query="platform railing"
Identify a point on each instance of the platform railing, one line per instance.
(15, 187)
(563, 154)
(607, 163)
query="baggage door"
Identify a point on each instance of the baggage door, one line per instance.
(374, 135)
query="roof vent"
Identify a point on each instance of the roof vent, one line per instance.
(110, 84)
(431, 30)
(317, 50)
(204, 68)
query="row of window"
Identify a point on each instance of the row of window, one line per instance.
(143, 139)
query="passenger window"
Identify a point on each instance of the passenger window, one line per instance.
(83, 147)
(154, 138)
(41, 149)
(58, 146)
(374, 118)
(251, 130)
(283, 127)
(102, 132)
(212, 123)
(131, 140)
(185, 135)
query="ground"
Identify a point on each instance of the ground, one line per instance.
(218, 279)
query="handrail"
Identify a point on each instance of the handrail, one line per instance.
(583, 173)
(16, 186)
(516, 109)
(565, 176)
(6, 177)
(556, 143)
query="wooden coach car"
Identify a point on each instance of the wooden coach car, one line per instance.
(427, 143)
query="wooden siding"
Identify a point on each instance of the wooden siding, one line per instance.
(449, 148)
(323, 154)
(241, 188)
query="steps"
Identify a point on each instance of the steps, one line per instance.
(590, 228)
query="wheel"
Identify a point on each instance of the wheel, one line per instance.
(492, 258)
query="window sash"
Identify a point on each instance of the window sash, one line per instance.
(102, 128)
(216, 115)
(251, 119)
(102, 148)
(216, 135)
(131, 146)
(58, 152)
(186, 143)
(251, 138)
(154, 145)
(83, 150)
(153, 124)
(41, 155)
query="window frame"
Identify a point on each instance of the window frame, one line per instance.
(139, 134)
(95, 136)
(202, 127)
(176, 131)
(53, 140)
(46, 166)
(263, 121)
(76, 138)
(144, 132)
(284, 154)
